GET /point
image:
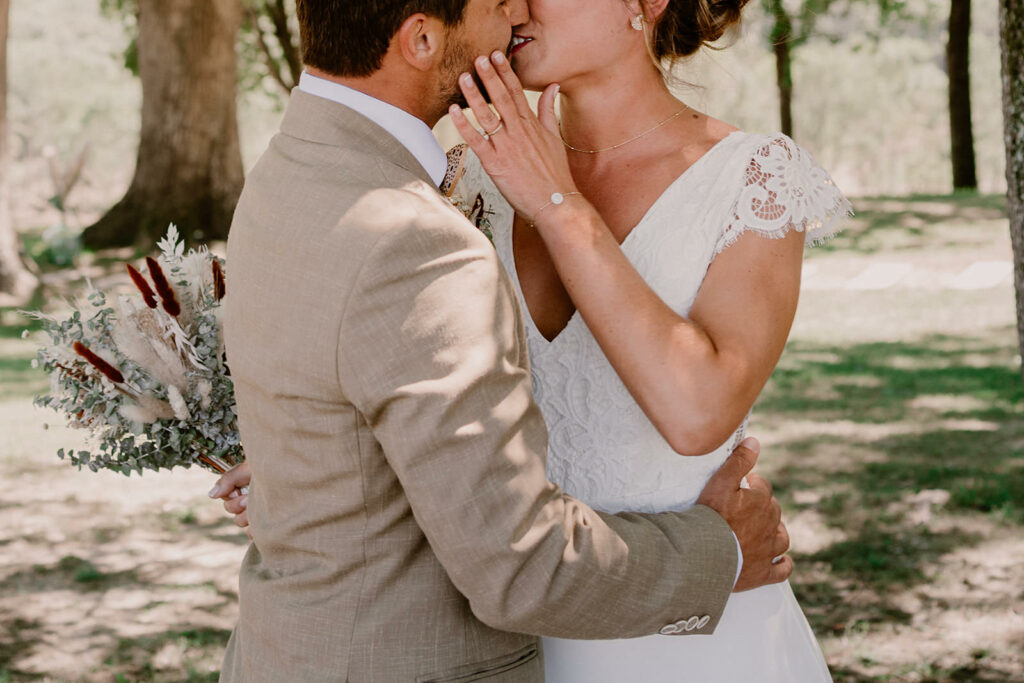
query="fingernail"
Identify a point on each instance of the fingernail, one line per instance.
(454, 110)
(214, 491)
(234, 493)
(483, 64)
(244, 503)
(498, 57)
(466, 80)
(752, 443)
(557, 88)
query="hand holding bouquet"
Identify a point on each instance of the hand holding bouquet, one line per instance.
(145, 372)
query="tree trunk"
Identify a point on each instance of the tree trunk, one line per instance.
(1011, 31)
(957, 66)
(189, 166)
(16, 283)
(782, 36)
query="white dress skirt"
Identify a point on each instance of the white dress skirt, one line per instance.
(604, 451)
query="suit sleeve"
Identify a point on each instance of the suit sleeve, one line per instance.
(429, 353)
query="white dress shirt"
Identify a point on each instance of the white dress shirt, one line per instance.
(413, 133)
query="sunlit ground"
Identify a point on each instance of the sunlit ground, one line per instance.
(892, 430)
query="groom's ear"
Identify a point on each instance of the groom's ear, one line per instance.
(421, 41)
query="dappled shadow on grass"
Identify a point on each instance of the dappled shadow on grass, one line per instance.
(133, 658)
(13, 322)
(18, 379)
(830, 610)
(884, 440)
(68, 572)
(879, 382)
(953, 405)
(981, 470)
(17, 636)
(977, 671)
(892, 224)
(882, 558)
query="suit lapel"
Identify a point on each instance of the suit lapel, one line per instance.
(325, 122)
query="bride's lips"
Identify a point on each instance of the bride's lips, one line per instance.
(518, 43)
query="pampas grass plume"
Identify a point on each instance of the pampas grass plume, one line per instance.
(140, 337)
(136, 413)
(178, 403)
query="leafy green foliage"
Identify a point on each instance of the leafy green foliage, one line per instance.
(169, 401)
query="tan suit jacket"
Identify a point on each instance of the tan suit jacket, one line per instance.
(404, 529)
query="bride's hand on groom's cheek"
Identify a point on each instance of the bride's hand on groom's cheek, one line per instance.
(521, 151)
(232, 488)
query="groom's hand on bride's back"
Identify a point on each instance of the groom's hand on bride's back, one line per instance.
(754, 515)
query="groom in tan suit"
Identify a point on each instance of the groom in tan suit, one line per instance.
(403, 528)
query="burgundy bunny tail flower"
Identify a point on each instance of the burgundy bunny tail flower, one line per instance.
(140, 282)
(108, 370)
(219, 287)
(163, 288)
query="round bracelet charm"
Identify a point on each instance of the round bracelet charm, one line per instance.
(557, 198)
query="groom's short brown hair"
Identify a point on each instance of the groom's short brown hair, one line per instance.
(351, 37)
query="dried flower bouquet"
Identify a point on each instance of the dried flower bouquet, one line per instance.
(145, 372)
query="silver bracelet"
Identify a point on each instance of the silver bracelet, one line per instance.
(556, 199)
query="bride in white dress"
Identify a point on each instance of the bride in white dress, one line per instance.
(655, 308)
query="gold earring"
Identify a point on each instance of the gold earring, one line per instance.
(637, 23)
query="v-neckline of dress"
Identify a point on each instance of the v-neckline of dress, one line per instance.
(510, 245)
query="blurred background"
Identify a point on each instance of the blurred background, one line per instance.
(892, 428)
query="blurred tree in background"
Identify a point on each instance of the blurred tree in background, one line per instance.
(270, 36)
(958, 68)
(784, 41)
(855, 84)
(16, 283)
(792, 25)
(189, 164)
(1011, 32)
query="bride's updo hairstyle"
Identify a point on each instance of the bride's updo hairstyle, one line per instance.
(688, 25)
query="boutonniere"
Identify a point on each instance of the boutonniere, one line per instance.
(476, 211)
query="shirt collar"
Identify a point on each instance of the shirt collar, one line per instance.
(413, 133)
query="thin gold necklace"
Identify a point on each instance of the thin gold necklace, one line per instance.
(621, 144)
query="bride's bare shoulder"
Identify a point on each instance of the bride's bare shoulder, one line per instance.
(716, 130)
(700, 134)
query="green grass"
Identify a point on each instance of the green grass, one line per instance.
(18, 379)
(882, 559)
(878, 382)
(133, 656)
(963, 396)
(921, 221)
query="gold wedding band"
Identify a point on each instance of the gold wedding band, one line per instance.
(489, 133)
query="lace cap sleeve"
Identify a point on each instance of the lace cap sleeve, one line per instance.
(784, 189)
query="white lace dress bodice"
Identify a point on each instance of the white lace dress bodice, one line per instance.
(602, 447)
